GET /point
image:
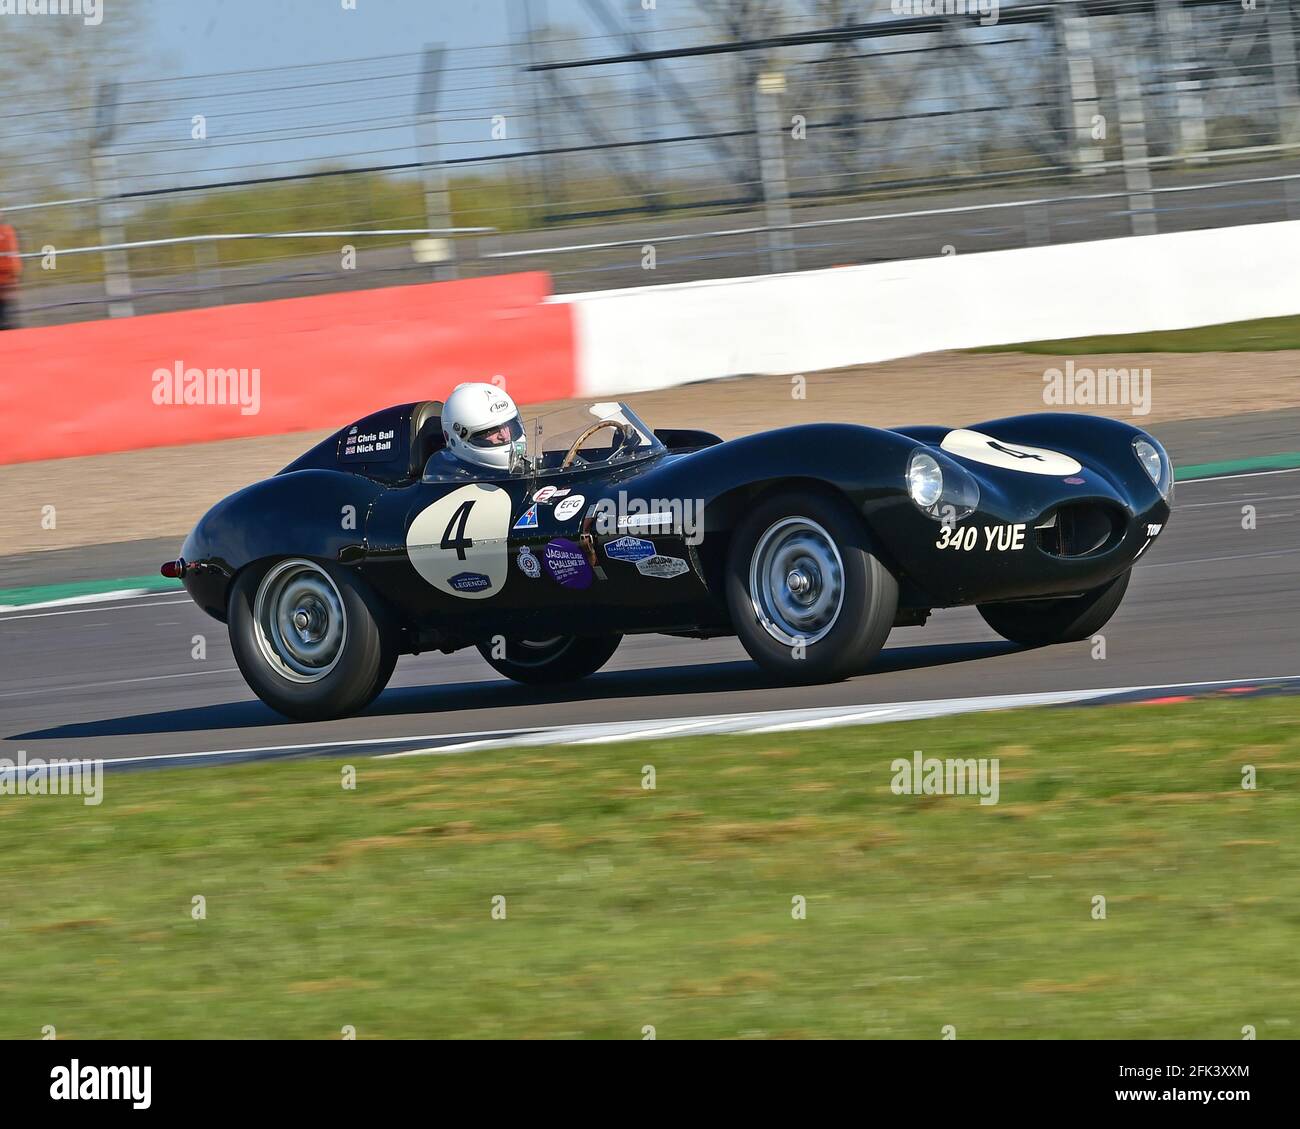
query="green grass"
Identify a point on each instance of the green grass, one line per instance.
(672, 907)
(1264, 335)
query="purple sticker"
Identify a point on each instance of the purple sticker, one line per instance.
(567, 563)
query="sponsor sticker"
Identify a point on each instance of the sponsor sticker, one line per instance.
(470, 582)
(570, 506)
(549, 494)
(1074, 480)
(528, 520)
(663, 567)
(629, 549)
(567, 563)
(528, 563)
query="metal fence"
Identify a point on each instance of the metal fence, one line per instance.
(757, 135)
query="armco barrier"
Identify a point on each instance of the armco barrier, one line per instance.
(658, 336)
(90, 388)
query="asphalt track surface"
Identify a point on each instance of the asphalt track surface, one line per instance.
(1210, 600)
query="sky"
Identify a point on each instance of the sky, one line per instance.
(218, 35)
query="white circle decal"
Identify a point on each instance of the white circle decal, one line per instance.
(458, 544)
(570, 506)
(981, 448)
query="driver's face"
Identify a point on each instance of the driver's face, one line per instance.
(496, 437)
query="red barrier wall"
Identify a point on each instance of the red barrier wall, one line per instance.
(89, 388)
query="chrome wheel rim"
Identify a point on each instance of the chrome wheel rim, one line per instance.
(796, 581)
(300, 621)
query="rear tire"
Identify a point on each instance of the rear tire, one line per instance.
(808, 599)
(310, 639)
(563, 658)
(1037, 623)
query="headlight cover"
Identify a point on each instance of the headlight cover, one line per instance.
(941, 487)
(924, 479)
(1155, 462)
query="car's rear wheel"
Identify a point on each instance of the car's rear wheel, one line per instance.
(808, 598)
(1036, 623)
(310, 639)
(541, 662)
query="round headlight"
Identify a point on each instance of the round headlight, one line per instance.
(1149, 457)
(924, 480)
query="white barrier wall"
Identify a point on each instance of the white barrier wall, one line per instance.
(657, 336)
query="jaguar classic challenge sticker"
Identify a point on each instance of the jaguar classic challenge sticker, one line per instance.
(567, 563)
(568, 507)
(528, 563)
(528, 519)
(989, 538)
(630, 549)
(981, 448)
(663, 567)
(458, 543)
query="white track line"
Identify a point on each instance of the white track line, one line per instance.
(778, 721)
(781, 721)
(97, 608)
(1226, 477)
(115, 682)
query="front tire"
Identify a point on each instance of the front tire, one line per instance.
(1038, 623)
(545, 662)
(808, 598)
(310, 639)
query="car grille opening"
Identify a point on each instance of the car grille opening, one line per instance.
(1080, 529)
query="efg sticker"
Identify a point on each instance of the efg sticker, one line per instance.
(570, 506)
(528, 520)
(629, 549)
(470, 582)
(528, 563)
(567, 563)
(663, 567)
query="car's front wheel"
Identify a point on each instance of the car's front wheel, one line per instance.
(1036, 623)
(541, 662)
(808, 598)
(310, 639)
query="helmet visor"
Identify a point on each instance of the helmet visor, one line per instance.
(498, 435)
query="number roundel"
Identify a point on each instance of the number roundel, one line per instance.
(458, 544)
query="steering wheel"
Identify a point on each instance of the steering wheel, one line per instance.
(626, 430)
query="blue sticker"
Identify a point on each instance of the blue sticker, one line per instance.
(529, 518)
(567, 563)
(469, 582)
(629, 549)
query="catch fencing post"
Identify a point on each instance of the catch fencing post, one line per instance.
(437, 197)
(1133, 143)
(776, 191)
(103, 167)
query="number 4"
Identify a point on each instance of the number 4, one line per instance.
(459, 542)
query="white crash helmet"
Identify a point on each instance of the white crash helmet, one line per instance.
(481, 426)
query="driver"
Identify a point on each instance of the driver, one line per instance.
(481, 426)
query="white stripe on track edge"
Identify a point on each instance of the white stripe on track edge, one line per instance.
(713, 724)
